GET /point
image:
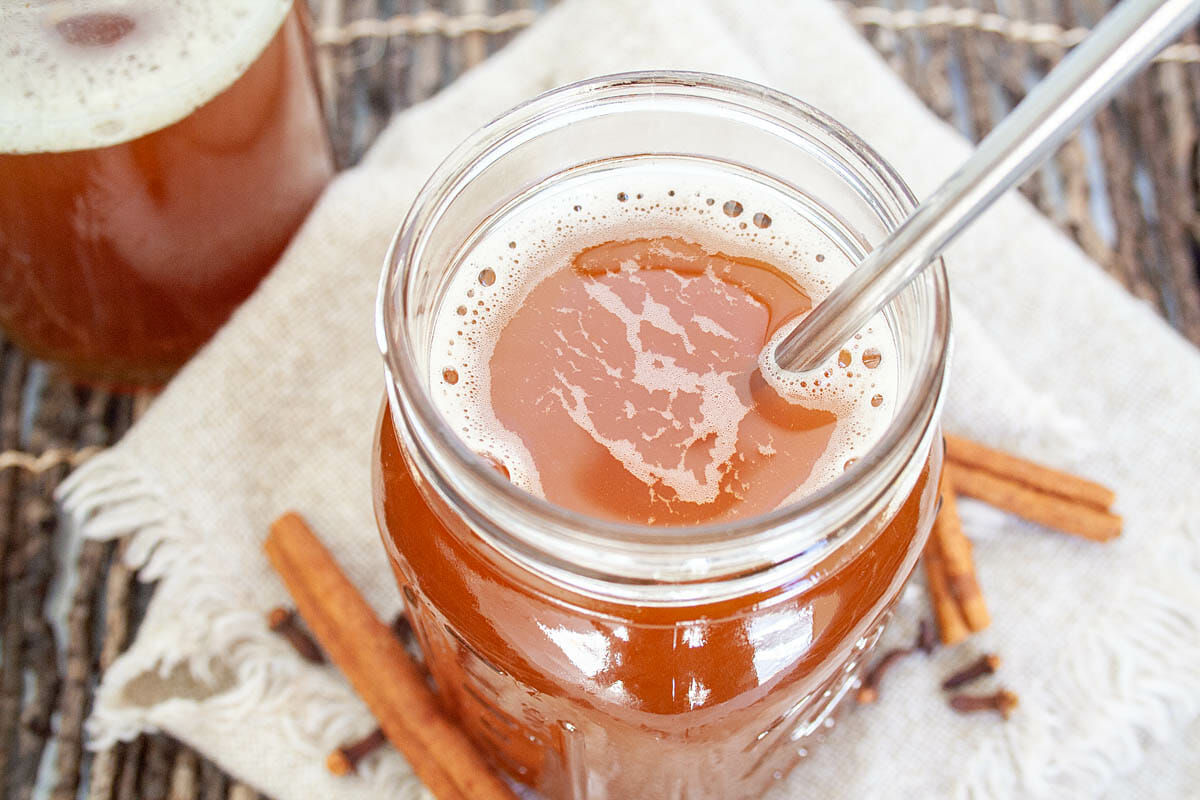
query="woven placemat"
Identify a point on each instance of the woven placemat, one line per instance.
(1125, 189)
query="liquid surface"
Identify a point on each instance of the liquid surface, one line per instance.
(77, 74)
(627, 322)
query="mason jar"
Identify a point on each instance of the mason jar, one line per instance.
(155, 161)
(591, 658)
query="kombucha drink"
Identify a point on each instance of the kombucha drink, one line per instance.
(155, 159)
(599, 345)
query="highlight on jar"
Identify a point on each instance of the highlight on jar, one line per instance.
(155, 160)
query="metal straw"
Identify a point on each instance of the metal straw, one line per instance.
(1124, 42)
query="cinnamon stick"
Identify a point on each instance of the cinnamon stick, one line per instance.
(966, 453)
(1045, 508)
(378, 667)
(955, 550)
(952, 628)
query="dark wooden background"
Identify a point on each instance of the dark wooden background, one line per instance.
(1125, 189)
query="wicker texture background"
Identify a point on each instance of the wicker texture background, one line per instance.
(1125, 189)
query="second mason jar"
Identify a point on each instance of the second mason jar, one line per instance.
(155, 160)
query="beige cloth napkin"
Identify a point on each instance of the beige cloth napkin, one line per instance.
(1053, 360)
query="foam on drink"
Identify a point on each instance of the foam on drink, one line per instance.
(675, 381)
(81, 74)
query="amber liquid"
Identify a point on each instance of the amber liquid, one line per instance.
(561, 342)
(583, 698)
(120, 262)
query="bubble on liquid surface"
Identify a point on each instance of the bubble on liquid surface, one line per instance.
(872, 358)
(762, 220)
(732, 208)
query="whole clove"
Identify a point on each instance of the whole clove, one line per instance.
(1003, 701)
(403, 629)
(868, 691)
(346, 758)
(986, 664)
(927, 638)
(284, 622)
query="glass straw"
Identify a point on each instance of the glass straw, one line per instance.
(1124, 42)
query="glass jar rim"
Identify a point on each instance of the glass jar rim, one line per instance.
(531, 528)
